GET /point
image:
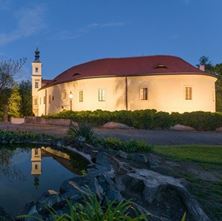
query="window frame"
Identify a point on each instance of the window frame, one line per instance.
(188, 93)
(101, 95)
(143, 94)
(81, 96)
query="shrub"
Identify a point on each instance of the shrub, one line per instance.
(127, 146)
(145, 119)
(17, 137)
(81, 133)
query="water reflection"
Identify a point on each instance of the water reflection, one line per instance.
(27, 173)
(36, 159)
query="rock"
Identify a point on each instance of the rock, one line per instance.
(52, 192)
(115, 125)
(75, 188)
(161, 195)
(103, 162)
(122, 154)
(109, 188)
(219, 129)
(138, 157)
(179, 127)
(48, 201)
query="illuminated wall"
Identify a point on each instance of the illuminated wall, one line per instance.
(165, 93)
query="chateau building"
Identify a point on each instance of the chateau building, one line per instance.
(164, 83)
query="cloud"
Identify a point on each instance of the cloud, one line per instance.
(68, 35)
(30, 21)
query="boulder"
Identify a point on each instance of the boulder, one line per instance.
(48, 201)
(180, 127)
(115, 125)
(161, 195)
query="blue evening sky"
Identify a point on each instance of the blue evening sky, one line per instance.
(70, 32)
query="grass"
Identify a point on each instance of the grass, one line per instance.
(208, 195)
(209, 157)
(198, 153)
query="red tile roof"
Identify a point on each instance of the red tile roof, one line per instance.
(131, 66)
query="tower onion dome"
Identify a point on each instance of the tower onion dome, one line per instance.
(37, 55)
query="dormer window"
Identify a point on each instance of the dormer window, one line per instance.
(36, 70)
(160, 66)
(75, 74)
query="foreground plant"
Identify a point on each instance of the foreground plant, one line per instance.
(92, 210)
(81, 133)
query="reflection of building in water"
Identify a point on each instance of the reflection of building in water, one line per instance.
(36, 165)
(36, 161)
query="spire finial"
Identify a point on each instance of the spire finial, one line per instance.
(37, 55)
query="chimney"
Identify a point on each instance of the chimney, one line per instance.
(202, 67)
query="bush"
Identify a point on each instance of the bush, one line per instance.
(127, 146)
(18, 137)
(145, 119)
(81, 133)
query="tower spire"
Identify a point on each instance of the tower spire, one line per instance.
(37, 55)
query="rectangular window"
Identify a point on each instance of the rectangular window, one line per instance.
(44, 100)
(143, 94)
(36, 84)
(188, 93)
(50, 99)
(36, 101)
(101, 95)
(80, 96)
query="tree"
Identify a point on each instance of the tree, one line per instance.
(216, 69)
(25, 90)
(8, 69)
(14, 102)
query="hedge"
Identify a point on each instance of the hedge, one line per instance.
(145, 119)
(22, 137)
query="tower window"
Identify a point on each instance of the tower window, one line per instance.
(143, 93)
(101, 95)
(36, 70)
(80, 96)
(188, 93)
(36, 84)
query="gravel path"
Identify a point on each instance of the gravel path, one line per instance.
(165, 137)
(160, 137)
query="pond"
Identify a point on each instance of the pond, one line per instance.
(26, 173)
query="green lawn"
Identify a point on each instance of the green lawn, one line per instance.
(198, 153)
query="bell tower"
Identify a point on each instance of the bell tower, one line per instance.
(36, 82)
